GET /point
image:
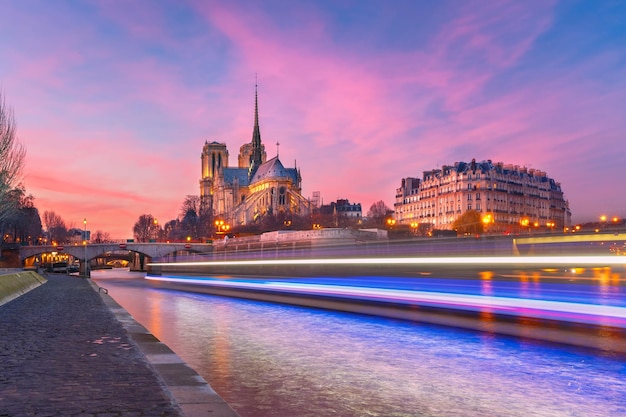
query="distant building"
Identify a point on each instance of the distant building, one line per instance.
(258, 187)
(510, 198)
(342, 208)
(341, 213)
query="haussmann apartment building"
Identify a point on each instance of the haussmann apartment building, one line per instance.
(509, 198)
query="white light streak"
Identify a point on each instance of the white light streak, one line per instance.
(462, 260)
(546, 309)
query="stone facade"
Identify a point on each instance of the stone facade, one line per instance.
(509, 198)
(257, 187)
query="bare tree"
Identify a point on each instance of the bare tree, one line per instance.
(57, 232)
(191, 203)
(377, 213)
(196, 221)
(145, 228)
(101, 237)
(12, 157)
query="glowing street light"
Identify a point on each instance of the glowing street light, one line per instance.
(221, 227)
(155, 223)
(85, 245)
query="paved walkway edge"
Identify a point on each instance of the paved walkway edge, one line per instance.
(190, 391)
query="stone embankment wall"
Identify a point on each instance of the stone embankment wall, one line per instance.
(12, 285)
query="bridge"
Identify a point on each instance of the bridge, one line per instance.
(91, 251)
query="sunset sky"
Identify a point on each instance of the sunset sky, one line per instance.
(115, 99)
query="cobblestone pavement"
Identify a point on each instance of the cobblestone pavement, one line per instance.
(63, 353)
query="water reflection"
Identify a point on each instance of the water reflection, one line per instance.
(277, 360)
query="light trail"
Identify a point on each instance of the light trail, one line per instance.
(459, 260)
(589, 311)
(604, 315)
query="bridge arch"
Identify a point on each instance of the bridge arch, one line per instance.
(91, 251)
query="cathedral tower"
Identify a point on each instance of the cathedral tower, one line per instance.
(213, 159)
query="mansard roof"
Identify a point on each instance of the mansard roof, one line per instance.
(487, 166)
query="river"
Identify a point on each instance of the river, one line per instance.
(277, 360)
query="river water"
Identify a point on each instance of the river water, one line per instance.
(276, 360)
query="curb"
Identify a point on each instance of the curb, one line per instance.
(189, 390)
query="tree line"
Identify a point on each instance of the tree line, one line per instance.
(197, 224)
(19, 218)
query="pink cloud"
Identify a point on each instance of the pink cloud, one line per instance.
(356, 121)
(109, 171)
(340, 97)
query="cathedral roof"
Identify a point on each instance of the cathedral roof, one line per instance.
(241, 174)
(274, 169)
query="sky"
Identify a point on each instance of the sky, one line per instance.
(114, 99)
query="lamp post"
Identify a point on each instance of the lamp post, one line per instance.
(221, 227)
(414, 228)
(487, 220)
(85, 245)
(525, 223)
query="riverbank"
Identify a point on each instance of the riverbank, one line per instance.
(74, 351)
(14, 283)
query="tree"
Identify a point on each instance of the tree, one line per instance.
(469, 223)
(377, 213)
(57, 232)
(205, 223)
(25, 225)
(12, 156)
(171, 230)
(196, 218)
(194, 221)
(145, 228)
(101, 237)
(191, 203)
(188, 225)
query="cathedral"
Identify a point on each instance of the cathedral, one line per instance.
(257, 187)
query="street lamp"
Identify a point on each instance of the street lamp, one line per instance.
(85, 245)
(525, 223)
(221, 227)
(156, 229)
(414, 226)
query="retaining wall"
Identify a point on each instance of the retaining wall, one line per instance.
(12, 285)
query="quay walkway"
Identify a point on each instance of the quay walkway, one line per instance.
(67, 349)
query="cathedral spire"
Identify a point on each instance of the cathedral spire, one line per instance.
(256, 112)
(256, 134)
(257, 149)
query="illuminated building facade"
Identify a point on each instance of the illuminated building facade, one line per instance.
(342, 208)
(509, 198)
(255, 188)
